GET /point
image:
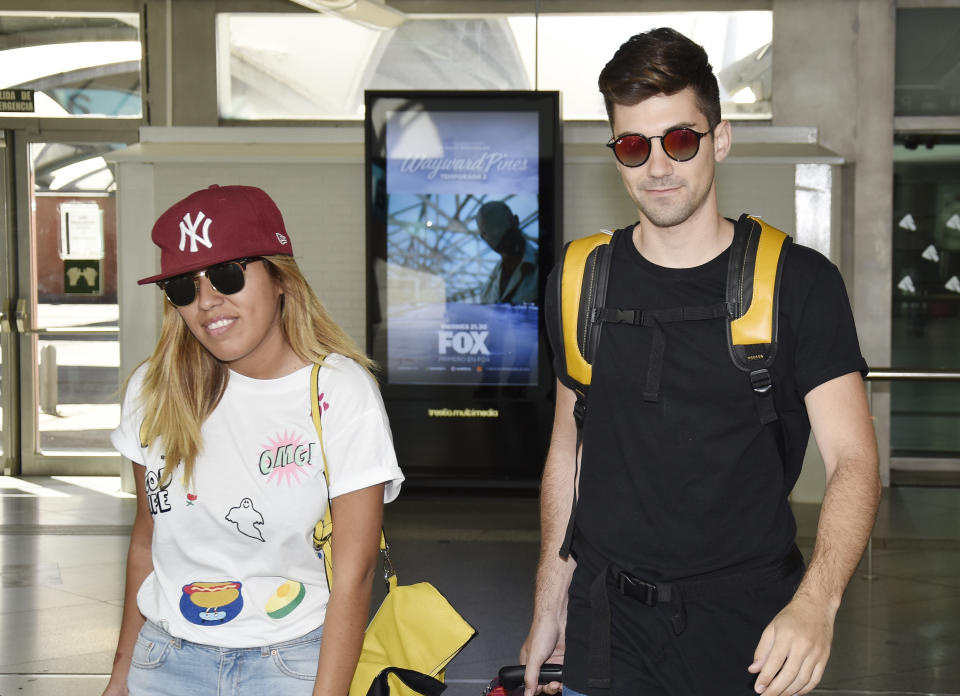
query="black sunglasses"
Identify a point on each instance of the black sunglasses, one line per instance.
(226, 278)
(680, 144)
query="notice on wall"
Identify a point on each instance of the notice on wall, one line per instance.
(81, 231)
(82, 277)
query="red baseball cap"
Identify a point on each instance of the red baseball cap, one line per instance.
(218, 224)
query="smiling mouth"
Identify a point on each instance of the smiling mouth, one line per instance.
(662, 187)
(218, 324)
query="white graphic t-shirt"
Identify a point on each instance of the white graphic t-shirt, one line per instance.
(233, 559)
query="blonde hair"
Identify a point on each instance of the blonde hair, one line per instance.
(184, 382)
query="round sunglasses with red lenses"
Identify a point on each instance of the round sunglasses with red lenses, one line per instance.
(680, 144)
(226, 278)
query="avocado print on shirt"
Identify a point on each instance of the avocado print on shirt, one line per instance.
(246, 518)
(287, 598)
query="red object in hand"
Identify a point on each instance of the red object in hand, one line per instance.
(495, 688)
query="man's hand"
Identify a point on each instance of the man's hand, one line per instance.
(794, 648)
(545, 641)
(544, 644)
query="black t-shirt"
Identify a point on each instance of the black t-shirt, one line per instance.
(693, 484)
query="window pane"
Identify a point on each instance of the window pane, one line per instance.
(926, 297)
(79, 384)
(70, 65)
(74, 336)
(318, 65)
(737, 44)
(928, 62)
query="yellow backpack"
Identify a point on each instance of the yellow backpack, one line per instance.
(750, 307)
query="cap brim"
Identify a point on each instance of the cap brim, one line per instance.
(152, 279)
(191, 268)
(180, 271)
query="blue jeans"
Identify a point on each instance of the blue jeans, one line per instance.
(567, 691)
(166, 666)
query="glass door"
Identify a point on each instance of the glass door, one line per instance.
(926, 309)
(66, 311)
(72, 85)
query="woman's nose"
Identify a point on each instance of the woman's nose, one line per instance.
(207, 296)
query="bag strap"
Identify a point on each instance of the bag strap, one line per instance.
(583, 289)
(751, 304)
(583, 273)
(417, 681)
(753, 289)
(325, 525)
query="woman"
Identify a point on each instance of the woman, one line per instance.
(225, 593)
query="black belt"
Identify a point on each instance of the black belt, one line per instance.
(651, 594)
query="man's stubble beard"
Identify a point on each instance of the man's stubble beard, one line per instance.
(678, 212)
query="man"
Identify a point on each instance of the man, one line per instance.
(684, 495)
(514, 278)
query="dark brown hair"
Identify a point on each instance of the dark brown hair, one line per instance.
(660, 61)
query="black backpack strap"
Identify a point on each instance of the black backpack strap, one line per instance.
(597, 257)
(596, 277)
(584, 270)
(753, 291)
(580, 406)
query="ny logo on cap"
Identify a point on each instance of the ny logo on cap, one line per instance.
(188, 228)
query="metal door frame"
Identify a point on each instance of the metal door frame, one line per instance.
(9, 346)
(27, 459)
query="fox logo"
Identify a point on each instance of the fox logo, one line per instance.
(463, 342)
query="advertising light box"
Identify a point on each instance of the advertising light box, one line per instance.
(462, 227)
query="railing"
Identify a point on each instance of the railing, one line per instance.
(906, 375)
(889, 374)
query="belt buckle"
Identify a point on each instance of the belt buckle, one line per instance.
(645, 591)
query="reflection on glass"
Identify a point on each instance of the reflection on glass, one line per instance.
(737, 44)
(71, 65)
(74, 316)
(927, 74)
(79, 383)
(926, 296)
(267, 64)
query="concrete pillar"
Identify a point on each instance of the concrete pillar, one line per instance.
(49, 381)
(136, 258)
(838, 76)
(182, 66)
(873, 202)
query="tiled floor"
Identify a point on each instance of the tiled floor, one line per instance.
(62, 548)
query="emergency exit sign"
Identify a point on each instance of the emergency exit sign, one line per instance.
(16, 100)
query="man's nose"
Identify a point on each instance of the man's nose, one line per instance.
(659, 164)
